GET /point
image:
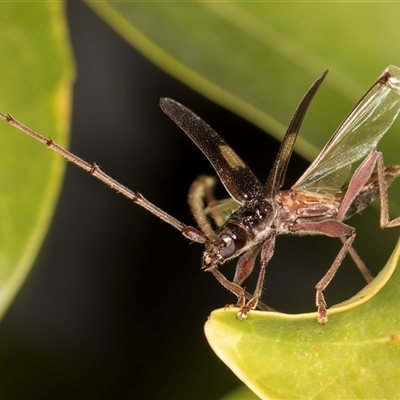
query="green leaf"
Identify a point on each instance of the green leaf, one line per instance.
(36, 89)
(257, 58)
(355, 355)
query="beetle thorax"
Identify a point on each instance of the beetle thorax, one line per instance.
(250, 224)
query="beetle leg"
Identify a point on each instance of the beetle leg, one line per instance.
(266, 253)
(330, 228)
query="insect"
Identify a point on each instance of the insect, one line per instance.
(248, 223)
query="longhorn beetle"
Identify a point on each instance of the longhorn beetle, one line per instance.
(249, 222)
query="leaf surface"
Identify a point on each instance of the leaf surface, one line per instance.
(256, 58)
(35, 88)
(356, 355)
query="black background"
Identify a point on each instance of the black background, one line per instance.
(117, 301)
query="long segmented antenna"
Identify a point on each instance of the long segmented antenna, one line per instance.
(93, 169)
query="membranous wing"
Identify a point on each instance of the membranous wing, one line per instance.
(221, 210)
(356, 137)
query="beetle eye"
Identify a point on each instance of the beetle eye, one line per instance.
(229, 249)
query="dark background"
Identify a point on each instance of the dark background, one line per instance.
(117, 301)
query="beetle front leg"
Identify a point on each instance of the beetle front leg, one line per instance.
(237, 290)
(267, 252)
(245, 264)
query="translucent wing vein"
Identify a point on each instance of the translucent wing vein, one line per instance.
(358, 135)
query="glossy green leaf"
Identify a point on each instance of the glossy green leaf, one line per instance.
(36, 88)
(258, 58)
(355, 355)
